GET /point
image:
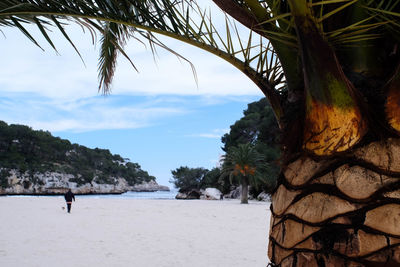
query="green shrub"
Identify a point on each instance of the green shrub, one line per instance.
(4, 174)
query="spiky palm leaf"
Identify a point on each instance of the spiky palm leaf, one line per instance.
(342, 23)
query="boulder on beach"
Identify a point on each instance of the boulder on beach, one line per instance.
(235, 193)
(212, 194)
(263, 197)
(192, 194)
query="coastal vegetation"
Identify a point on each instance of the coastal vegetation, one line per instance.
(254, 138)
(330, 70)
(187, 179)
(258, 128)
(30, 151)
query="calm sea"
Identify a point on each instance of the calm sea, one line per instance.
(134, 195)
(139, 195)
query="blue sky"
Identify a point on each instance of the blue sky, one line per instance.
(158, 117)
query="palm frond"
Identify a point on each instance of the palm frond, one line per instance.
(244, 162)
(111, 42)
(325, 15)
(388, 12)
(273, 22)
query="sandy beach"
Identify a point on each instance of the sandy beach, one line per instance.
(35, 231)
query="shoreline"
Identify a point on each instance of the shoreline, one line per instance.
(80, 194)
(143, 195)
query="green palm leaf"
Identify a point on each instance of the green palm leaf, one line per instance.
(244, 161)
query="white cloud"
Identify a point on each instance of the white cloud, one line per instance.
(85, 115)
(214, 134)
(100, 113)
(25, 68)
(58, 92)
(170, 76)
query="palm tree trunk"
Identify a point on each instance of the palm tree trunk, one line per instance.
(245, 191)
(343, 211)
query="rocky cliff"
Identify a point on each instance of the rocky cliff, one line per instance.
(35, 162)
(50, 183)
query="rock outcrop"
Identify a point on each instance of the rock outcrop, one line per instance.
(215, 194)
(148, 187)
(234, 193)
(193, 194)
(53, 183)
(264, 197)
(212, 194)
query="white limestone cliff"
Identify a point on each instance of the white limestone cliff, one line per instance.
(58, 183)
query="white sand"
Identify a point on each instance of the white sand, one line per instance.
(35, 231)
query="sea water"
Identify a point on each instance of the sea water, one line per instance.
(132, 195)
(138, 195)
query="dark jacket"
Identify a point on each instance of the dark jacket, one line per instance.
(69, 196)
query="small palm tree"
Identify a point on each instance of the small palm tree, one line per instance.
(245, 164)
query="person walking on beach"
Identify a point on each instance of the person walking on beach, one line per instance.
(69, 196)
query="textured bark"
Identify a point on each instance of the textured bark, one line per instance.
(339, 212)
